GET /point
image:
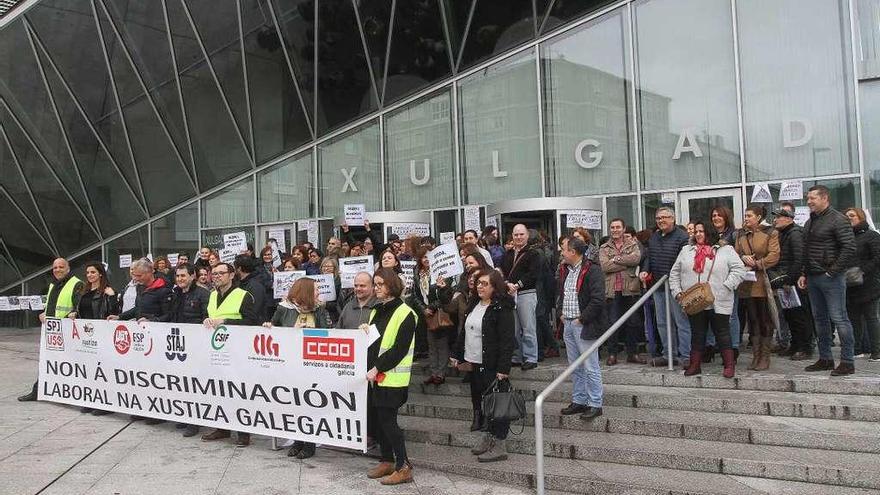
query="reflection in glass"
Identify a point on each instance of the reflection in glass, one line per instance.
(564, 11)
(499, 129)
(296, 21)
(177, 232)
(796, 75)
(869, 99)
(587, 110)
(418, 147)
(375, 18)
(687, 93)
(419, 53)
(233, 205)
(625, 207)
(496, 26)
(867, 13)
(25, 246)
(213, 238)
(456, 14)
(133, 243)
(285, 190)
(348, 171)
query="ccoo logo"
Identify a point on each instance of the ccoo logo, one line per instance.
(175, 346)
(326, 349)
(264, 346)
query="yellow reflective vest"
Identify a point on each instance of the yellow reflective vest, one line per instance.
(64, 303)
(230, 309)
(399, 375)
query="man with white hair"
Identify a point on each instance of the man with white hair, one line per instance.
(520, 268)
(153, 300)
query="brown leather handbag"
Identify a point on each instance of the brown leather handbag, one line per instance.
(439, 320)
(699, 296)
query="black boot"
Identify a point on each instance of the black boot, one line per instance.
(478, 421)
(31, 396)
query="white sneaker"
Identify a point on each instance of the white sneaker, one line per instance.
(862, 355)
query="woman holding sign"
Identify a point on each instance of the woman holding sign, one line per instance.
(301, 309)
(390, 360)
(426, 301)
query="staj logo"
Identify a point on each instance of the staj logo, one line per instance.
(264, 346)
(175, 346)
(328, 349)
(122, 339)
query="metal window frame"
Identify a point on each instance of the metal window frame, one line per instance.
(309, 115)
(26, 218)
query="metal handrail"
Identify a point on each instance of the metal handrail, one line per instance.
(539, 401)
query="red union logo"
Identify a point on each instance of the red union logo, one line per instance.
(264, 346)
(122, 339)
(324, 349)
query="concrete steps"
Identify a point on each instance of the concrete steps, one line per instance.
(665, 433)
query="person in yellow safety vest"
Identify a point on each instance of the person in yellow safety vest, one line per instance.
(63, 298)
(229, 305)
(389, 360)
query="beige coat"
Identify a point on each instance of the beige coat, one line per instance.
(629, 256)
(763, 244)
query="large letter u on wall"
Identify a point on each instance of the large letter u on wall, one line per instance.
(426, 172)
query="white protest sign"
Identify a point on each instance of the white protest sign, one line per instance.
(588, 219)
(301, 384)
(492, 220)
(407, 230)
(228, 255)
(283, 281)
(4, 304)
(667, 198)
(761, 194)
(326, 286)
(349, 267)
(172, 259)
(409, 270)
(149, 256)
(124, 261)
(278, 235)
(472, 218)
(354, 215)
(302, 226)
(445, 262)
(276, 254)
(236, 241)
(801, 215)
(35, 303)
(312, 232)
(446, 237)
(791, 190)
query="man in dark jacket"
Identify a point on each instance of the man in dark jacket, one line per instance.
(581, 305)
(521, 267)
(190, 302)
(663, 248)
(250, 280)
(785, 277)
(829, 248)
(153, 301)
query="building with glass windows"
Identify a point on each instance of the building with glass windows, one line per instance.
(136, 127)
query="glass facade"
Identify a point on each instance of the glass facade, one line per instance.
(156, 127)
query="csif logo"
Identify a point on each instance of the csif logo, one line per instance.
(219, 338)
(175, 345)
(264, 346)
(328, 349)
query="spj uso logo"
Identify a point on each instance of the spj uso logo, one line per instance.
(175, 346)
(54, 335)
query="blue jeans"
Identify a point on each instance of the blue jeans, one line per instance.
(682, 324)
(828, 300)
(587, 379)
(526, 331)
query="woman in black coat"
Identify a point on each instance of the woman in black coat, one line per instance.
(863, 300)
(485, 348)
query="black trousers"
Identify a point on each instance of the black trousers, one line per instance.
(758, 315)
(800, 324)
(391, 440)
(481, 378)
(700, 323)
(632, 330)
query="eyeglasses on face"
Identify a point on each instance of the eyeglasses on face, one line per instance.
(483, 283)
(217, 274)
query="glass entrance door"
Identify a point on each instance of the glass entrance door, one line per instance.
(698, 205)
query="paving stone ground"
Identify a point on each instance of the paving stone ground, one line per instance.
(50, 448)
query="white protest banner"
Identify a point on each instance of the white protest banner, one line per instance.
(349, 267)
(312, 232)
(326, 286)
(354, 215)
(4, 304)
(407, 230)
(302, 226)
(283, 281)
(236, 241)
(124, 261)
(472, 218)
(16, 303)
(409, 272)
(172, 259)
(445, 262)
(228, 255)
(35, 303)
(791, 190)
(801, 215)
(278, 235)
(588, 219)
(446, 237)
(301, 384)
(492, 220)
(667, 198)
(761, 194)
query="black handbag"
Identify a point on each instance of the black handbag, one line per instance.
(504, 405)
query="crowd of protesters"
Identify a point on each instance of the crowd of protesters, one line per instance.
(519, 302)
